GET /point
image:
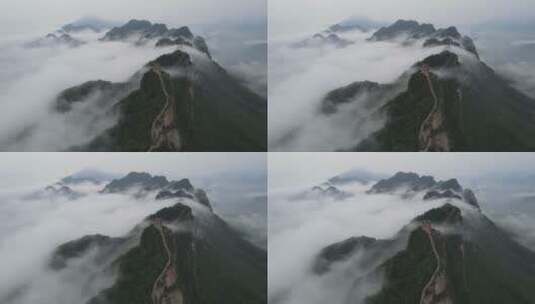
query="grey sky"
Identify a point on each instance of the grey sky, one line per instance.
(310, 15)
(34, 169)
(305, 169)
(23, 15)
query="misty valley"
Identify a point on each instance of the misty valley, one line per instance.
(94, 237)
(267, 151)
(364, 237)
(367, 86)
(94, 85)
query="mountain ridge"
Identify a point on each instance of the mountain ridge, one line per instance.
(437, 265)
(448, 101)
(182, 266)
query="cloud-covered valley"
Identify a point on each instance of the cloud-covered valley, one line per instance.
(300, 229)
(38, 214)
(32, 79)
(301, 77)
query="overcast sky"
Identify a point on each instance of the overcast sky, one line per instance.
(23, 15)
(34, 169)
(304, 169)
(311, 15)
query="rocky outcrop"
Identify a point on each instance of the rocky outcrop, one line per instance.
(142, 31)
(409, 184)
(142, 180)
(404, 181)
(410, 31)
(410, 28)
(143, 28)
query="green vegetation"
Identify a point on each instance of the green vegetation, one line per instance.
(482, 112)
(230, 270)
(138, 111)
(407, 272)
(482, 265)
(138, 269)
(217, 267)
(219, 115)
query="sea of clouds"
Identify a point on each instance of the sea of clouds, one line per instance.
(32, 78)
(34, 223)
(300, 229)
(299, 78)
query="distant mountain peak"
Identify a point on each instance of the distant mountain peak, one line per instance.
(143, 183)
(54, 40)
(324, 39)
(144, 28)
(409, 184)
(410, 180)
(324, 191)
(143, 31)
(412, 30)
(132, 180)
(60, 190)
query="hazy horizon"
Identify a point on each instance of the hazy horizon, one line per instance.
(287, 16)
(294, 169)
(28, 15)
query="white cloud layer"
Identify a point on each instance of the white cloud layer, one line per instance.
(32, 78)
(299, 78)
(300, 229)
(33, 227)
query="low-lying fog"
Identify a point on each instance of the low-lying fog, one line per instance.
(33, 224)
(300, 78)
(33, 228)
(299, 228)
(32, 78)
